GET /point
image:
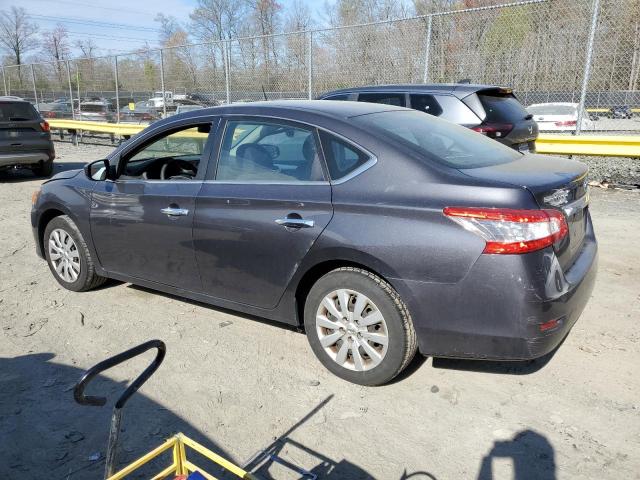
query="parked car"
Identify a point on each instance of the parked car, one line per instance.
(380, 229)
(56, 110)
(621, 111)
(25, 139)
(142, 112)
(488, 109)
(559, 116)
(95, 111)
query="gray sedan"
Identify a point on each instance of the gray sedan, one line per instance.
(379, 229)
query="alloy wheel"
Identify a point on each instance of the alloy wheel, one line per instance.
(64, 255)
(352, 330)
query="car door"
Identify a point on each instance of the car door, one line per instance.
(142, 222)
(263, 205)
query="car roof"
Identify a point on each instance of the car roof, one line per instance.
(325, 108)
(564, 104)
(11, 98)
(460, 90)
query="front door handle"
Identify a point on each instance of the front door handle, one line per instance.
(175, 212)
(295, 222)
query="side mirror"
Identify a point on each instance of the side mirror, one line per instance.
(98, 170)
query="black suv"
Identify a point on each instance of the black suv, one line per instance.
(488, 109)
(25, 139)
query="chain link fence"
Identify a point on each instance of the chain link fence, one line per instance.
(585, 52)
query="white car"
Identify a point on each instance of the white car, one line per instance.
(559, 116)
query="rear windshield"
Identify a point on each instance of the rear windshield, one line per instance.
(504, 108)
(552, 109)
(16, 111)
(438, 140)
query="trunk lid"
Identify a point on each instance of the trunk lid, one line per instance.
(555, 183)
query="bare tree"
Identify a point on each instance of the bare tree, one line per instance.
(87, 47)
(55, 45)
(17, 34)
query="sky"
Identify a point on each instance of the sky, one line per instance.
(115, 26)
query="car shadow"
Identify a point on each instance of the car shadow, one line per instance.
(530, 454)
(511, 367)
(45, 434)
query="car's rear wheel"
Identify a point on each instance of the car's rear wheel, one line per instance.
(45, 169)
(68, 256)
(359, 327)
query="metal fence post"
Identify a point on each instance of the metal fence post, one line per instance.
(226, 47)
(164, 98)
(4, 81)
(587, 65)
(427, 49)
(73, 111)
(310, 65)
(35, 92)
(115, 67)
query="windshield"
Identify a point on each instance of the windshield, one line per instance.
(439, 140)
(552, 109)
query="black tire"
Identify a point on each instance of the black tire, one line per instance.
(45, 169)
(401, 335)
(87, 278)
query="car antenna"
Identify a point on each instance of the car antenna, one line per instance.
(264, 93)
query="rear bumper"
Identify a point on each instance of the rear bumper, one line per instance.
(24, 158)
(497, 310)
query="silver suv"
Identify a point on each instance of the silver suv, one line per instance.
(488, 109)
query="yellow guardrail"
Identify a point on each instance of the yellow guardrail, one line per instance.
(594, 145)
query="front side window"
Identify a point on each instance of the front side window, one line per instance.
(174, 155)
(264, 150)
(342, 157)
(396, 99)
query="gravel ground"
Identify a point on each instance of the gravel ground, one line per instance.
(241, 385)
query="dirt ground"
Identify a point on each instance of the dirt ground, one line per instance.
(241, 385)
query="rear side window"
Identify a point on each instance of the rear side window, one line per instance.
(342, 157)
(343, 96)
(437, 140)
(502, 108)
(425, 103)
(396, 99)
(17, 111)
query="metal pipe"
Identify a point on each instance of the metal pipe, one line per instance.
(587, 65)
(78, 88)
(310, 65)
(73, 112)
(164, 98)
(112, 446)
(226, 47)
(35, 92)
(115, 67)
(427, 49)
(4, 81)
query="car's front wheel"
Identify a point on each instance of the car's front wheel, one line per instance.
(68, 256)
(359, 327)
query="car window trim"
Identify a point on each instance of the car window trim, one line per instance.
(373, 159)
(390, 92)
(205, 159)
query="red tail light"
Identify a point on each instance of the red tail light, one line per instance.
(509, 231)
(146, 116)
(493, 130)
(566, 123)
(45, 126)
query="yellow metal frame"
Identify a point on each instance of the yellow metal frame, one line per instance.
(180, 464)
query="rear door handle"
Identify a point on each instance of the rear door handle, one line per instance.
(295, 222)
(175, 212)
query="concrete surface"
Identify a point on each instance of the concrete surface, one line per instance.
(242, 385)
